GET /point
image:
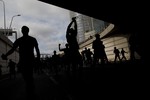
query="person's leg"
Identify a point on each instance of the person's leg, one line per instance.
(29, 80)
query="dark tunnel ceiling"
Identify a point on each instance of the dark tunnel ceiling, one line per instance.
(124, 14)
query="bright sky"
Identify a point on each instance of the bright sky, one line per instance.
(47, 22)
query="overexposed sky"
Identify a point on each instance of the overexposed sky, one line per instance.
(47, 23)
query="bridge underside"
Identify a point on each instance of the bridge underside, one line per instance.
(128, 17)
(124, 14)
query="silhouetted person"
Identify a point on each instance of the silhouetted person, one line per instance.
(89, 56)
(12, 69)
(99, 52)
(84, 54)
(117, 54)
(71, 36)
(55, 62)
(26, 45)
(123, 54)
(137, 45)
(132, 46)
(105, 55)
(66, 56)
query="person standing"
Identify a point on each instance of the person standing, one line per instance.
(26, 45)
(66, 56)
(99, 52)
(123, 54)
(71, 36)
(117, 54)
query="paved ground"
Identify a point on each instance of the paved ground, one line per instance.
(45, 89)
(112, 81)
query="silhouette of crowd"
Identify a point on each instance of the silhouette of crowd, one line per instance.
(71, 61)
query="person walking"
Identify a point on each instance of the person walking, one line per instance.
(123, 54)
(26, 45)
(117, 54)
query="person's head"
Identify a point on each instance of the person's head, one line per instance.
(73, 18)
(97, 36)
(71, 31)
(10, 60)
(67, 45)
(25, 30)
(54, 51)
(85, 48)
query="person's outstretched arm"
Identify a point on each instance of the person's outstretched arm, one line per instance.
(75, 25)
(68, 28)
(4, 56)
(37, 51)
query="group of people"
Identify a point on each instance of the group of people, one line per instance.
(117, 54)
(99, 55)
(27, 44)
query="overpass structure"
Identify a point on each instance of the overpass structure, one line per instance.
(5, 45)
(128, 17)
(111, 38)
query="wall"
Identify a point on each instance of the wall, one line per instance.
(5, 45)
(120, 41)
